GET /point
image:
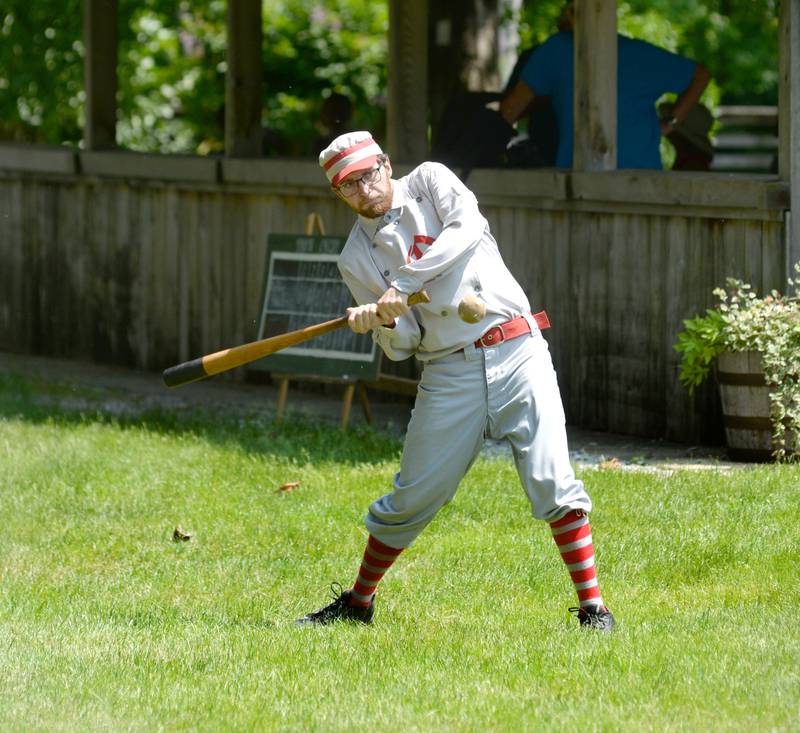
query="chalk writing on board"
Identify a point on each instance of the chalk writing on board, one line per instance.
(305, 288)
(328, 245)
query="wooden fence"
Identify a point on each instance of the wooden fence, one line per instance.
(148, 260)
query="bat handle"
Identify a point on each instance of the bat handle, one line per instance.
(419, 297)
(189, 371)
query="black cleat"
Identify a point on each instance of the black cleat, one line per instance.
(595, 617)
(339, 610)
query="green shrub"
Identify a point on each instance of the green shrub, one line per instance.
(742, 321)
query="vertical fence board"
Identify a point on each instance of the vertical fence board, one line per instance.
(233, 254)
(260, 223)
(773, 243)
(588, 346)
(13, 313)
(164, 317)
(704, 272)
(677, 249)
(178, 261)
(753, 246)
(657, 351)
(623, 388)
(629, 328)
(66, 246)
(82, 268)
(195, 238)
(580, 252)
(6, 273)
(125, 267)
(221, 248)
(560, 302)
(142, 234)
(48, 296)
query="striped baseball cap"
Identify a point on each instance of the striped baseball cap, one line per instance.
(353, 151)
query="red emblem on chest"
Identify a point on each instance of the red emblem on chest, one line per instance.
(419, 248)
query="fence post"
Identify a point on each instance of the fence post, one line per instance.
(100, 38)
(243, 80)
(788, 127)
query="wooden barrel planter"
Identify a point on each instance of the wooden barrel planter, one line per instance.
(745, 406)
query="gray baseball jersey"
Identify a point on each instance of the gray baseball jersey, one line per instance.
(434, 237)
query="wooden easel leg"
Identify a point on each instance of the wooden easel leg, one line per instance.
(283, 391)
(349, 391)
(364, 400)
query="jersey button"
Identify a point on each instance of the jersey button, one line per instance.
(386, 273)
(419, 199)
(444, 313)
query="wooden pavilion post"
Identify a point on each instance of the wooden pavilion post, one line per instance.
(243, 80)
(100, 68)
(789, 124)
(407, 114)
(595, 116)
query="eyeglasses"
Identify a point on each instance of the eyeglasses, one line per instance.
(348, 188)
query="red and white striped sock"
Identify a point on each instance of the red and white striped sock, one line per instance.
(378, 558)
(573, 535)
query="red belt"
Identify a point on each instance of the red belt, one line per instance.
(518, 326)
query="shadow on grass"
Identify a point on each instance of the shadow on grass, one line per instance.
(249, 429)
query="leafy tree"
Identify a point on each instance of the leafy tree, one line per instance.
(172, 71)
(41, 75)
(171, 76)
(314, 49)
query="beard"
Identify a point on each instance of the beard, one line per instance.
(374, 209)
(376, 204)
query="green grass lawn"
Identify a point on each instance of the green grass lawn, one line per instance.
(106, 623)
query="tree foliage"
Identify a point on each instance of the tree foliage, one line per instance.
(174, 88)
(171, 63)
(41, 78)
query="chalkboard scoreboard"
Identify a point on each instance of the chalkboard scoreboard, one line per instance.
(302, 287)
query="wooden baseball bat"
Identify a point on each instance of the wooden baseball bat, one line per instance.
(222, 361)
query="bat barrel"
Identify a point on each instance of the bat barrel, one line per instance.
(189, 371)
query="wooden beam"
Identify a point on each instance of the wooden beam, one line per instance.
(243, 135)
(595, 110)
(407, 114)
(100, 69)
(788, 126)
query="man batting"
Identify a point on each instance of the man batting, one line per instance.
(486, 372)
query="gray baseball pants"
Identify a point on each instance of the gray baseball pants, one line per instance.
(507, 392)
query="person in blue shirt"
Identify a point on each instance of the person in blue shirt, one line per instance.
(644, 73)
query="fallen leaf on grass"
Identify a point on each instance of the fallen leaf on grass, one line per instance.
(180, 536)
(288, 486)
(612, 462)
